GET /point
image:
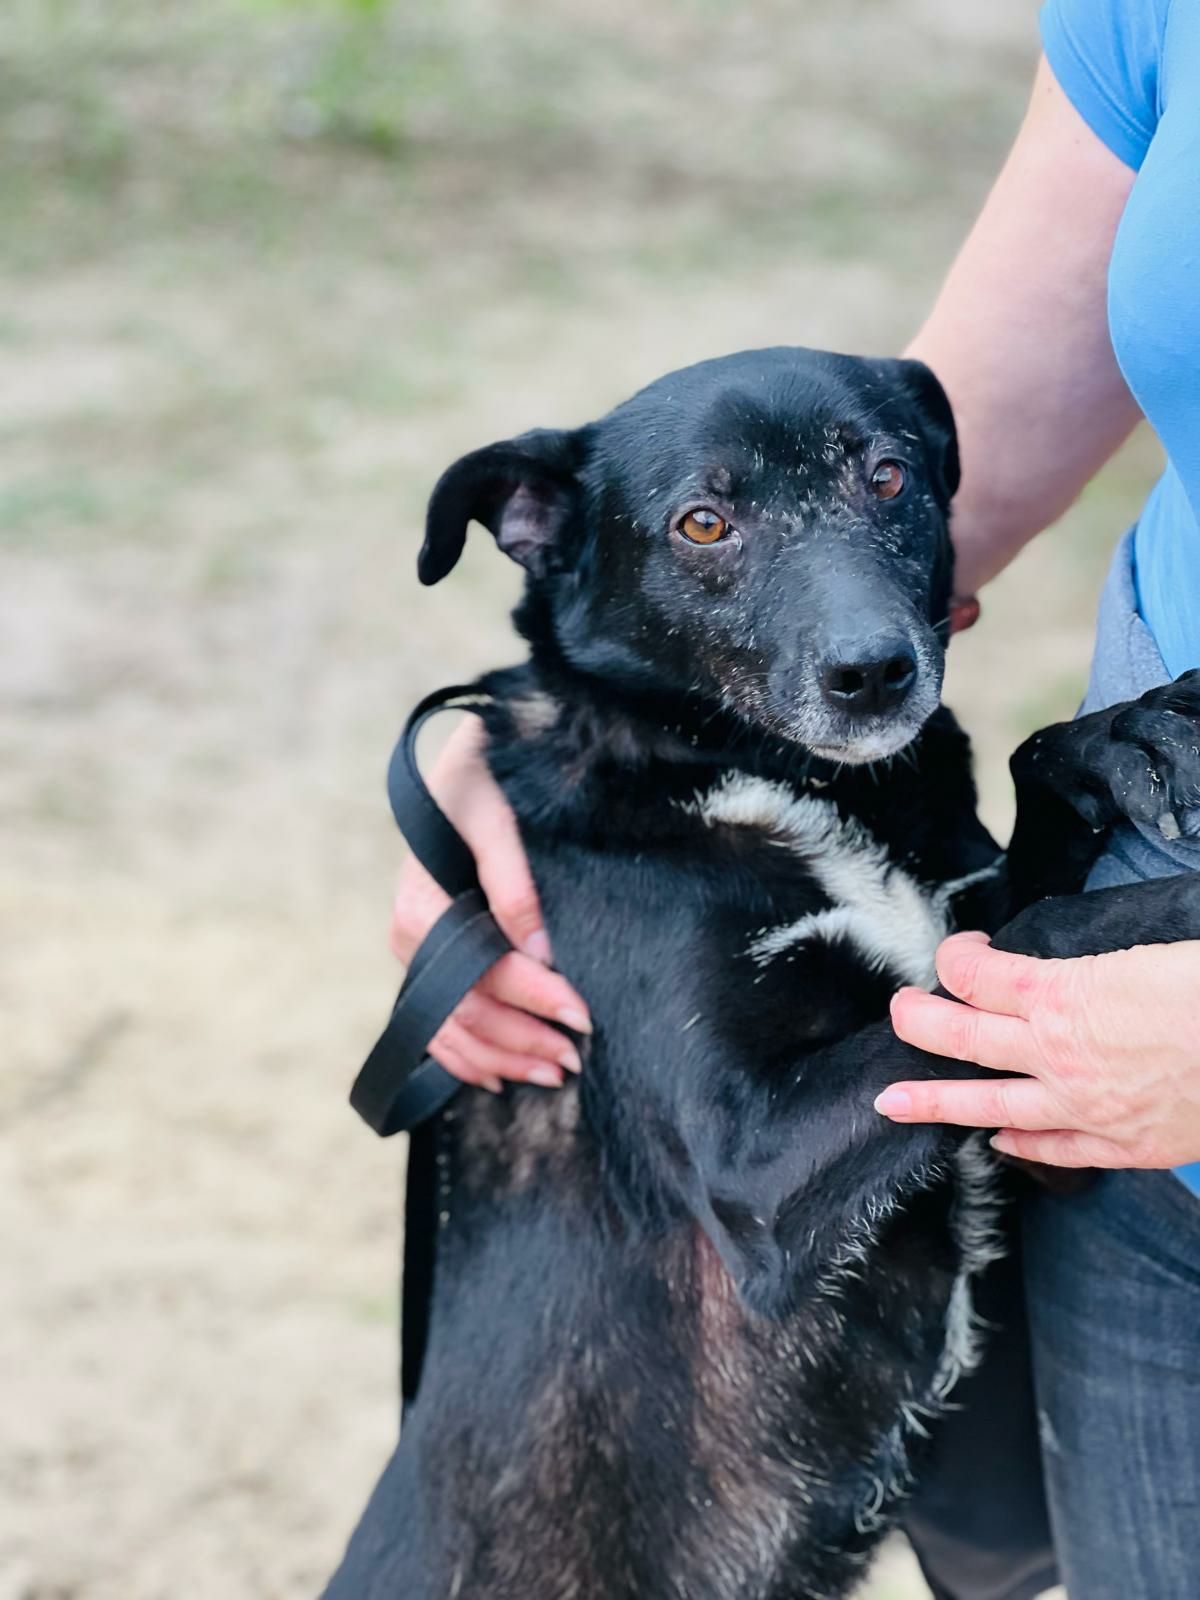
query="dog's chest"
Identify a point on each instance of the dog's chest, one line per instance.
(871, 905)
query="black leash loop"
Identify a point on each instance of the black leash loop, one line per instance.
(399, 1085)
(429, 833)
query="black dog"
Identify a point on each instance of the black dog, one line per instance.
(691, 1311)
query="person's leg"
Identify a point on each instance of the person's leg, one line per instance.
(977, 1519)
(1113, 1279)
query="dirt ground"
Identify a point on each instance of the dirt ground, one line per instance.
(264, 270)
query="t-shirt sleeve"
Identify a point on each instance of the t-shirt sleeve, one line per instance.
(1105, 55)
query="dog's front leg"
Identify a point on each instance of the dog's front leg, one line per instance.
(787, 1182)
(1159, 911)
(1137, 761)
(781, 1177)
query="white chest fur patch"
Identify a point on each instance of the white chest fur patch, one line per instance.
(893, 923)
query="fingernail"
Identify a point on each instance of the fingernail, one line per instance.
(1000, 1143)
(894, 1103)
(492, 1085)
(546, 1076)
(538, 946)
(577, 1021)
(568, 1057)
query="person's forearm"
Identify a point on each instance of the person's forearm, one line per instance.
(1019, 337)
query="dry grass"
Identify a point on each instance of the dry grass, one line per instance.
(264, 272)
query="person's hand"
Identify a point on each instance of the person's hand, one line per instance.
(494, 1031)
(1110, 1045)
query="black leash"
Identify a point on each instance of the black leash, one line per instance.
(400, 1086)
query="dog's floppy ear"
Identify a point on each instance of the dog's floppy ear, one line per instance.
(525, 492)
(937, 419)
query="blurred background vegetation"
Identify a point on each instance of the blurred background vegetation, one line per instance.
(265, 268)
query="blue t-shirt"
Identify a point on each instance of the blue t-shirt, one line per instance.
(1131, 68)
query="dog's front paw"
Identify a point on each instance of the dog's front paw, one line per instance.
(1138, 761)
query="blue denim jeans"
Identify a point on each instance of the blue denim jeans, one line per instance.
(1113, 1288)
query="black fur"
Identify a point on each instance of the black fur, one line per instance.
(691, 1312)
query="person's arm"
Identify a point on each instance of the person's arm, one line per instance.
(1018, 337)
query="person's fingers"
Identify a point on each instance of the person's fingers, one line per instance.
(486, 821)
(508, 884)
(476, 805)
(992, 980)
(1062, 1148)
(515, 1031)
(416, 906)
(464, 788)
(978, 1103)
(517, 980)
(474, 1060)
(503, 1064)
(454, 1048)
(946, 1028)
(490, 1035)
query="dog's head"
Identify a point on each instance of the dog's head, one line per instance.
(767, 532)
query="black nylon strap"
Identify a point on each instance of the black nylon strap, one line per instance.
(429, 833)
(399, 1086)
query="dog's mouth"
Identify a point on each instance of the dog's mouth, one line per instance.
(874, 743)
(809, 714)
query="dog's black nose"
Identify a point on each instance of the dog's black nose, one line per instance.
(871, 678)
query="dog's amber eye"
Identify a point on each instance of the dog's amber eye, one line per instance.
(703, 527)
(887, 480)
